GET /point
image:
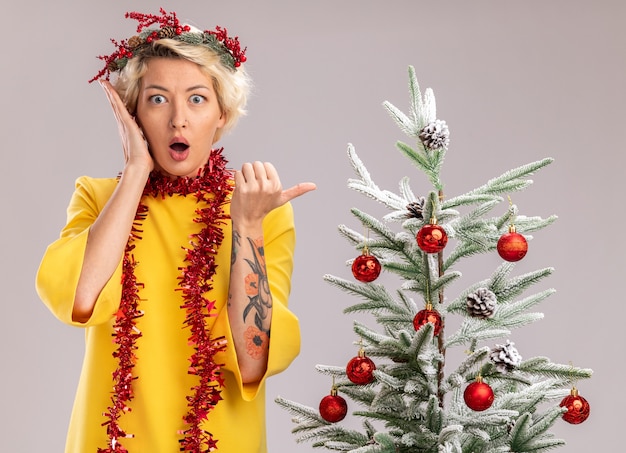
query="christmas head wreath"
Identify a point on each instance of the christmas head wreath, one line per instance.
(169, 27)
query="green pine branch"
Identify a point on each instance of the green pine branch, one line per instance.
(529, 435)
(542, 366)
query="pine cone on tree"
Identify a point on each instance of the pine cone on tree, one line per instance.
(435, 135)
(416, 208)
(481, 303)
(505, 357)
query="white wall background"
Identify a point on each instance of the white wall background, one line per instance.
(516, 81)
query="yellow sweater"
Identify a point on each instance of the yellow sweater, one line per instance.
(238, 421)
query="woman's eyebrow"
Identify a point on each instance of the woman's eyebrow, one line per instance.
(155, 87)
(197, 87)
(159, 87)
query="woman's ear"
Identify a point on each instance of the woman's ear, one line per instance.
(223, 119)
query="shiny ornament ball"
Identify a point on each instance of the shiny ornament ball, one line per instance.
(478, 396)
(428, 315)
(577, 408)
(512, 246)
(360, 370)
(333, 408)
(366, 268)
(432, 238)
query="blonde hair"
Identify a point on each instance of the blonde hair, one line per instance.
(232, 87)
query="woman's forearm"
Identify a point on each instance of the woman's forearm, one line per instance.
(107, 239)
(258, 191)
(250, 302)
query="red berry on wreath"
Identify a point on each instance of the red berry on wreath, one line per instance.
(512, 246)
(428, 314)
(366, 268)
(478, 395)
(360, 369)
(432, 238)
(333, 408)
(577, 408)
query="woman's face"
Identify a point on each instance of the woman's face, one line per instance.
(177, 110)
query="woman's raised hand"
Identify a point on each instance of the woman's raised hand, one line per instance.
(258, 191)
(133, 142)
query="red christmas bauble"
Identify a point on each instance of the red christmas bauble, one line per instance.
(432, 238)
(478, 396)
(512, 246)
(360, 370)
(333, 408)
(428, 315)
(577, 408)
(366, 268)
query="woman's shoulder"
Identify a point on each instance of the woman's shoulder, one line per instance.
(95, 188)
(91, 181)
(96, 183)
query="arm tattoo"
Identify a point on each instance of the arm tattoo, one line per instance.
(235, 247)
(257, 286)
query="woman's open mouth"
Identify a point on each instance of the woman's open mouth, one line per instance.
(179, 149)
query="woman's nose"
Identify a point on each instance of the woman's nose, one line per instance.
(178, 118)
(178, 123)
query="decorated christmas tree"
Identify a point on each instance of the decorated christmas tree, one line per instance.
(409, 398)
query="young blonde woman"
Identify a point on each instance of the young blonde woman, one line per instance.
(178, 269)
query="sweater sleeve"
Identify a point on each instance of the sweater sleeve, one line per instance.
(279, 243)
(61, 265)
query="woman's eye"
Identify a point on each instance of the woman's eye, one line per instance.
(197, 99)
(157, 99)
